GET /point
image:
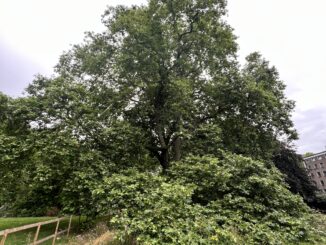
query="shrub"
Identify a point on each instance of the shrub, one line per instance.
(246, 194)
(205, 200)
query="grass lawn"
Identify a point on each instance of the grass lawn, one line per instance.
(27, 236)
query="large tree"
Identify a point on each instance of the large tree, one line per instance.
(171, 70)
(161, 82)
(159, 59)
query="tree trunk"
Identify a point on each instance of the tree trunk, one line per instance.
(177, 149)
(164, 159)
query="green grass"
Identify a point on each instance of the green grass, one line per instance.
(26, 236)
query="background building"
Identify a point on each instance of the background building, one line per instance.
(316, 168)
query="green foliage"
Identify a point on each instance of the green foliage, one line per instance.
(247, 194)
(254, 113)
(290, 164)
(155, 211)
(160, 60)
(59, 169)
(14, 146)
(204, 140)
(58, 138)
(204, 200)
(171, 70)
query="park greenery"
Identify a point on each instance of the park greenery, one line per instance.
(155, 123)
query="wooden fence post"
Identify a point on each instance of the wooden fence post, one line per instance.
(56, 232)
(3, 239)
(36, 234)
(69, 226)
(4, 233)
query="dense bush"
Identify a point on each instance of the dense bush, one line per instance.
(202, 200)
(144, 205)
(246, 194)
(54, 169)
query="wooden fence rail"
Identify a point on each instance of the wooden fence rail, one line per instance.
(6, 232)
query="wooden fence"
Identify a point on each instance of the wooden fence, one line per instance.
(6, 232)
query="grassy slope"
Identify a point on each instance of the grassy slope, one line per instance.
(26, 236)
(96, 233)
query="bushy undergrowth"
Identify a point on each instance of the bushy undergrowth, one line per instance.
(205, 200)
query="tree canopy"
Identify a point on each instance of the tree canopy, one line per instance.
(170, 68)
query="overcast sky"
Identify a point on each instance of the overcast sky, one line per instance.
(289, 33)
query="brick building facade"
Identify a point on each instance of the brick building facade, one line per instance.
(316, 168)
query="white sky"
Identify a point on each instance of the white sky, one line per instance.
(288, 33)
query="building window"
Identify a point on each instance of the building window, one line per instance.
(312, 175)
(322, 183)
(319, 174)
(325, 173)
(322, 165)
(316, 166)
